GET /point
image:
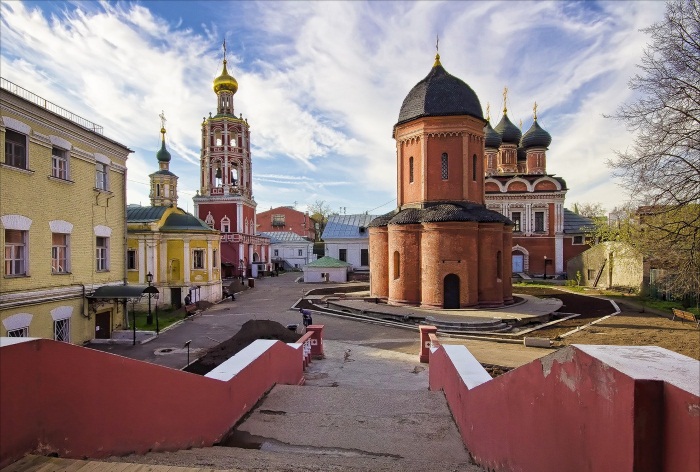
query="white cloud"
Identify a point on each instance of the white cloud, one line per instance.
(322, 87)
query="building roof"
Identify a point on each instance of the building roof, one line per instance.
(144, 214)
(327, 262)
(509, 132)
(531, 178)
(176, 221)
(184, 222)
(442, 212)
(440, 94)
(347, 226)
(536, 137)
(277, 237)
(574, 223)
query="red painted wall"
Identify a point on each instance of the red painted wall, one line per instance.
(572, 412)
(295, 221)
(107, 404)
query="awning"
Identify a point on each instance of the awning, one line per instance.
(123, 291)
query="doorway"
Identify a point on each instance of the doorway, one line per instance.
(518, 263)
(176, 297)
(451, 291)
(103, 325)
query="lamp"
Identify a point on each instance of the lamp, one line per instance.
(545, 267)
(149, 318)
(156, 296)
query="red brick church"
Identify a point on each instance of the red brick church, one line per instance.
(441, 247)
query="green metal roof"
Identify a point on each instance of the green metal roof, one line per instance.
(327, 262)
(144, 214)
(186, 222)
(122, 291)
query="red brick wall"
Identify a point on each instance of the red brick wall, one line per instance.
(411, 192)
(75, 415)
(379, 262)
(406, 240)
(218, 211)
(294, 220)
(545, 185)
(490, 242)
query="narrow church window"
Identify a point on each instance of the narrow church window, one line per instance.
(397, 265)
(445, 174)
(499, 265)
(515, 217)
(157, 190)
(474, 168)
(217, 137)
(539, 221)
(410, 169)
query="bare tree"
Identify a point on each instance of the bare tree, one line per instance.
(663, 166)
(320, 210)
(662, 169)
(589, 210)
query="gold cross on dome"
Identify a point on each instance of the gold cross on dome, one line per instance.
(505, 99)
(162, 121)
(488, 111)
(534, 110)
(224, 49)
(437, 43)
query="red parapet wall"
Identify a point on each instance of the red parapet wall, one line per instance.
(78, 402)
(582, 408)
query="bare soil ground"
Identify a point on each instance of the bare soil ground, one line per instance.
(632, 327)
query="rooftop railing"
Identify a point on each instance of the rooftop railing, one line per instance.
(50, 106)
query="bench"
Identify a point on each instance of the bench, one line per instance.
(686, 315)
(190, 309)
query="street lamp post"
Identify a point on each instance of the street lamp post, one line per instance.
(545, 267)
(149, 279)
(156, 296)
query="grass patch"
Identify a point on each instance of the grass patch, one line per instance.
(165, 319)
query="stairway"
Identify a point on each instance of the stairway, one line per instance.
(468, 327)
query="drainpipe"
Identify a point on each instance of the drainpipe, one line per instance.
(126, 246)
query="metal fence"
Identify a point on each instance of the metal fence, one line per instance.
(50, 106)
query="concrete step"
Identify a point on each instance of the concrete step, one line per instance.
(491, 326)
(33, 463)
(308, 459)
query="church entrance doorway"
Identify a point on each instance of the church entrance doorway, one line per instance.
(451, 291)
(518, 263)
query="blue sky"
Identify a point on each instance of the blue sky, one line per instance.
(321, 83)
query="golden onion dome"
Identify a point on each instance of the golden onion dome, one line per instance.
(225, 82)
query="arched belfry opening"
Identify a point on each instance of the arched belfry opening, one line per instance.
(450, 297)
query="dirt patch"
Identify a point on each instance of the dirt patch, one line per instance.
(249, 332)
(632, 327)
(496, 370)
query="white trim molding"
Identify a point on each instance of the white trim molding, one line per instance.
(60, 142)
(61, 313)
(102, 158)
(18, 222)
(60, 226)
(18, 321)
(16, 125)
(103, 231)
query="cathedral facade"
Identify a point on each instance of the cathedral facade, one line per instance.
(225, 198)
(441, 247)
(545, 234)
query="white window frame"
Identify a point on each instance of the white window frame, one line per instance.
(583, 240)
(14, 156)
(276, 252)
(544, 221)
(214, 259)
(17, 259)
(135, 252)
(300, 253)
(102, 176)
(60, 156)
(61, 330)
(209, 220)
(56, 266)
(225, 225)
(517, 227)
(101, 254)
(198, 259)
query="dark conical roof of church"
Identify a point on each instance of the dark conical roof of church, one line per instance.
(536, 137)
(508, 131)
(441, 212)
(440, 94)
(491, 138)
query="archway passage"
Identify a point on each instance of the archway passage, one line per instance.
(451, 291)
(255, 257)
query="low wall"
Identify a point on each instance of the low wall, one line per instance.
(78, 402)
(582, 408)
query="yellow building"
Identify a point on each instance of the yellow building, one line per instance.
(180, 251)
(62, 221)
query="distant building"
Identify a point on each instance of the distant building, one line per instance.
(180, 251)
(326, 269)
(62, 221)
(225, 198)
(545, 235)
(288, 250)
(287, 219)
(346, 238)
(441, 247)
(610, 264)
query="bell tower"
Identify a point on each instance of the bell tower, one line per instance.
(225, 198)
